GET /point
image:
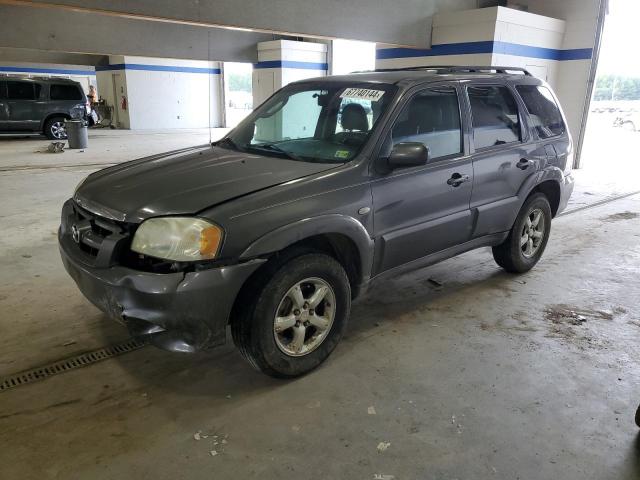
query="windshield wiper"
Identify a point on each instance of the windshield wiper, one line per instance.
(276, 148)
(229, 142)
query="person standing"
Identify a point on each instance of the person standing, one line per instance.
(93, 94)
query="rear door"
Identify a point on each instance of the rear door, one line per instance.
(422, 210)
(23, 105)
(68, 98)
(547, 123)
(503, 156)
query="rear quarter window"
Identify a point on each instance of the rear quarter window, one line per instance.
(65, 92)
(543, 110)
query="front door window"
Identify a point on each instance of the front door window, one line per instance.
(432, 118)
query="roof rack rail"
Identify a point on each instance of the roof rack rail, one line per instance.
(460, 69)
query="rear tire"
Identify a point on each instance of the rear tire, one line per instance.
(528, 236)
(54, 128)
(280, 329)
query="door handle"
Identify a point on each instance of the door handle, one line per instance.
(457, 179)
(524, 163)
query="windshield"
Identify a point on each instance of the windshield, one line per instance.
(326, 122)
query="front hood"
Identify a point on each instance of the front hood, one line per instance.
(184, 182)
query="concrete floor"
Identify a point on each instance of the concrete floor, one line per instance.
(482, 377)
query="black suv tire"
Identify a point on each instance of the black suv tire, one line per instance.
(515, 256)
(49, 127)
(254, 328)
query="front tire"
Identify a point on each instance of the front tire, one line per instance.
(528, 236)
(296, 317)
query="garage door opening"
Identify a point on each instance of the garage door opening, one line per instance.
(238, 92)
(352, 56)
(609, 164)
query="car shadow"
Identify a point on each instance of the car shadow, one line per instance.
(224, 370)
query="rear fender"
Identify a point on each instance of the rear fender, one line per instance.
(548, 173)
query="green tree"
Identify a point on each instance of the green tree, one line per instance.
(617, 87)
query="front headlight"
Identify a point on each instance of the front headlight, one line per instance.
(183, 239)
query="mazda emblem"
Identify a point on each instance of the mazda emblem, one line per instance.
(75, 233)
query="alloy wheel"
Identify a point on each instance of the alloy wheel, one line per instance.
(532, 233)
(304, 317)
(58, 130)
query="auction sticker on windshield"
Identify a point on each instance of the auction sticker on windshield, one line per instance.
(362, 94)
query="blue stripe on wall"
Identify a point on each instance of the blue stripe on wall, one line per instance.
(468, 48)
(291, 64)
(157, 68)
(436, 50)
(59, 71)
(576, 54)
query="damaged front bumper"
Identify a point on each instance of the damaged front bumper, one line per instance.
(183, 311)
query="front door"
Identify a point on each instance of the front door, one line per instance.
(23, 105)
(422, 210)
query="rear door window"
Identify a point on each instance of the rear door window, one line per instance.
(494, 114)
(3, 90)
(22, 90)
(65, 92)
(432, 117)
(543, 110)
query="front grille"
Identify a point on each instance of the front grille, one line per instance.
(98, 241)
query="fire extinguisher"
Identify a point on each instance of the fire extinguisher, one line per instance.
(123, 103)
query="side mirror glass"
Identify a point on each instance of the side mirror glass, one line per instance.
(408, 154)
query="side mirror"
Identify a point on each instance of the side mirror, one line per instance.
(408, 154)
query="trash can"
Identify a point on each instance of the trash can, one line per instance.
(77, 134)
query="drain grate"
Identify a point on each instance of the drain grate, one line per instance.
(61, 366)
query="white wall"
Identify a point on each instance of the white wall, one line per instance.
(459, 27)
(581, 17)
(281, 62)
(553, 40)
(163, 93)
(522, 28)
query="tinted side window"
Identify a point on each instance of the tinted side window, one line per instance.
(544, 112)
(495, 116)
(21, 91)
(432, 118)
(3, 89)
(65, 92)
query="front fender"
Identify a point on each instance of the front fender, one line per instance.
(289, 234)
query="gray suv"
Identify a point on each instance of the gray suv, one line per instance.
(328, 186)
(42, 105)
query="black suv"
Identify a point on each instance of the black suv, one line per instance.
(330, 184)
(29, 105)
